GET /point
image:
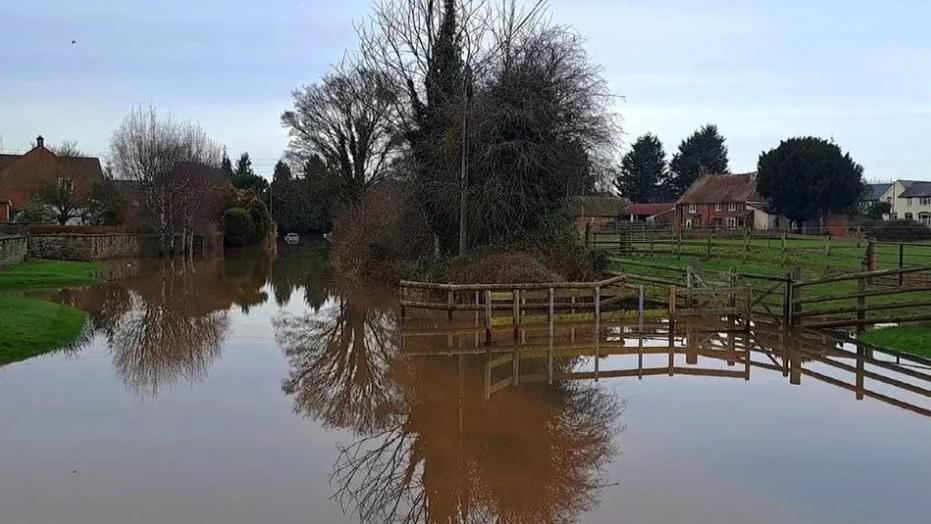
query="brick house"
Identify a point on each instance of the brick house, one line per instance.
(723, 201)
(21, 176)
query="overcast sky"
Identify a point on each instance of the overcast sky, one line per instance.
(857, 71)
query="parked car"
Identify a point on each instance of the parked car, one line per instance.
(292, 238)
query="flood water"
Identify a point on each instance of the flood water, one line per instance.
(258, 389)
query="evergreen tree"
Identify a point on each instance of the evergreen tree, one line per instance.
(805, 178)
(244, 166)
(282, 172)
(245, 178)
(702, 153)
(226, 166)
(643, 169)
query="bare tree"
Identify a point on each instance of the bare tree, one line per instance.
(348, 120)
(168, 160)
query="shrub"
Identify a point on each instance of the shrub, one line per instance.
(239, 227)
(35, 213)
(383, 237)
(500, 268)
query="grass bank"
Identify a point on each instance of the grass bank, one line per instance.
(907, 339)
(31, 326)
(42, 274)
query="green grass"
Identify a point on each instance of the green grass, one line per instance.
(731, 255)
(36, 274)
(30, 327)
(914, 339)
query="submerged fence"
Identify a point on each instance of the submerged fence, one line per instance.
(517, 305)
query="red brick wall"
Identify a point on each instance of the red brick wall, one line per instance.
(708, 215)
(36, 169)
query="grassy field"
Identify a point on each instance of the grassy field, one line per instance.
(915, 339)
(29, 326)
(39, 274)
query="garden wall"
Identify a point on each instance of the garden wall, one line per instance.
(13, 249)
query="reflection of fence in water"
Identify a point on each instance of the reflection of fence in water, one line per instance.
(574, 353)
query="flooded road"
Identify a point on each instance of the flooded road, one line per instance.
(254, 389)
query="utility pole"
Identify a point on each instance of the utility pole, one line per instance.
(464, 167)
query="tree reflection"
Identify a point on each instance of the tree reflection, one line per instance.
(168, 324)
(527, 455)
(338, 359)
(298, 267)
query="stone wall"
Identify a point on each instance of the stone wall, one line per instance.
(63, 246)
(13, 250)
(85, 247)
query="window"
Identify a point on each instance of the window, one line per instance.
(693, 208)
(732, 206)
(66, 184)
(895, 216)
(909, 201)
(925, 218)
(909, 216)
(889, 199)
(731, 222)
(925, 201)
(688, 224)
(717, 207)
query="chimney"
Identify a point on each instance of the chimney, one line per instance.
(40, 142)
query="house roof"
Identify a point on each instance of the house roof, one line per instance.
(6, 160)
(917, 189)
(873, 192)
(712, 189)
(85, 168)
(650, 209)
(598, 206)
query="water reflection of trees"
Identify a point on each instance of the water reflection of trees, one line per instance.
(339, 357)
(430, 447)
(168, 323)
(527, 455)
(300, 267)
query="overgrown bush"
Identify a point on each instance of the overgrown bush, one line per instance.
(239, 227)
(500, 268)
(35, 213)
(383, 237)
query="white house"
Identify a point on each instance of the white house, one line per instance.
(894, 197)
(914, 203)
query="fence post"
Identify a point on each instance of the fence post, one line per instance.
(679, 245)
(588, 234)
(552, 332)
(710, 238)
(901, 263)
(640, 311)
(827, 245)
(871, 255)
(488, 316)
(516, 314)
(789, 298)
(449, 304)
(672, 307)
(861, 302)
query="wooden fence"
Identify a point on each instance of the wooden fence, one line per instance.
(893, 378)
(539, 303)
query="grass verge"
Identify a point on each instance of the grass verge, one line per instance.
(36, 273)
(31, 326)
(912, 339)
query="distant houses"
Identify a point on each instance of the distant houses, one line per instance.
(22, 176)
(908, 199)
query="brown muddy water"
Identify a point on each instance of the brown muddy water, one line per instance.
(253, 390)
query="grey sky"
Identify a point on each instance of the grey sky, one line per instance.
(856, 71)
